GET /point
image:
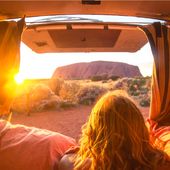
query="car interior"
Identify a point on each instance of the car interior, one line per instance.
(82, 26)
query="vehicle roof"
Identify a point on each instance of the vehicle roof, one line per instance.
(85, 36)
(150, 9)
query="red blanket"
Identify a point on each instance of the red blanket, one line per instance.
(28, 148)
(160, 136)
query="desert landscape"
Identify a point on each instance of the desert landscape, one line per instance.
(64, 102)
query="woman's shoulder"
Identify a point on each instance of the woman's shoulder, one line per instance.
(67, 162)
(164, 166)
(164, 162)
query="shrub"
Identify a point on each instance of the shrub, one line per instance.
(142, 81)
(68, 91)
(19, 104)
(133, 88)
(114, 77)
(40, 92)
(104, 77)
(99, 77)
(104, 81)
(118, 85)
(144, 90)
(55, 85)
(135, 93)
(145, 102)
(148, 83)
(67, 104)
(88, 94)
(53, 102)
(39, 98)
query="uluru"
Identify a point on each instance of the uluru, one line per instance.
(86, 70)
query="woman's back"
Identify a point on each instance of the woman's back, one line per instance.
(115, 137)
(68, 160)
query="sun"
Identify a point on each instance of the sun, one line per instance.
(19, 78)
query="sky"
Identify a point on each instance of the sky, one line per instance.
(37, 66)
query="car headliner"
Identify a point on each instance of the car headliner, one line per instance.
(85, 36)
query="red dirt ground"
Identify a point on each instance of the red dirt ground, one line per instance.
(66, 121)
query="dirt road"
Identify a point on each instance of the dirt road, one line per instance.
(65, 121)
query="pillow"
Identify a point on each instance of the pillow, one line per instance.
(29, 148)
(160, 137)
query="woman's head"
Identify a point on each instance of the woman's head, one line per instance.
(115, 132)
(115, 117)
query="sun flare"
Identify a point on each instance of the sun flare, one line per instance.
(19, 78)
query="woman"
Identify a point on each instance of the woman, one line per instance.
(114, 138)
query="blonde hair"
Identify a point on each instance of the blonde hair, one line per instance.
(115, 136)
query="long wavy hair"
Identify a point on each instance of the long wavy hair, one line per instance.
(115, 137)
